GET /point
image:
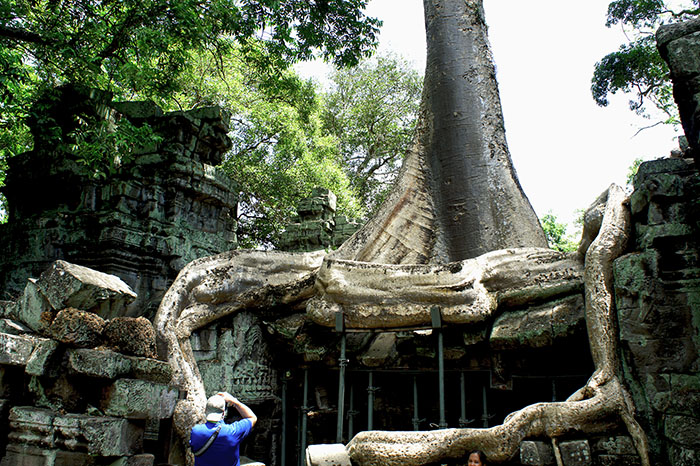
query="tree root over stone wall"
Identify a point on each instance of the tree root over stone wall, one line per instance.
(211, 288)
(599, 406)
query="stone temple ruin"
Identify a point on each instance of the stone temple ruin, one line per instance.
(418, 365)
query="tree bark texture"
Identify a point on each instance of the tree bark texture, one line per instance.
(458, 195)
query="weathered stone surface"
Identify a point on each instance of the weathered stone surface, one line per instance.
(536, 453)
(139, 399)
(33, 309)
(16, 350)
(576, 453)
(28, 455)
(683, 430)
(77, 328)
(7, 309)
(540, 326)
(69, 285)
(241, 365)
(42, 361)
(618, 445)
(56, 393)
(95, 435)
(13, 327)
(382, 348)
(131, 335)
(111, 365)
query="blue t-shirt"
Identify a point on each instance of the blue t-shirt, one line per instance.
(224, 451)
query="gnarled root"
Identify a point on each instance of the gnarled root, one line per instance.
(602, 404)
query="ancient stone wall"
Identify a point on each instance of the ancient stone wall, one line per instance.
(658, 304)
(143, 223)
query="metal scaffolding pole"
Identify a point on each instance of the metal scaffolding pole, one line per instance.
(340, 327)
(436, 318)
(370, 401)
(304, 412)
(283, 439)
(485, 415)
(416, 419)
(463, 422)
(351, 413)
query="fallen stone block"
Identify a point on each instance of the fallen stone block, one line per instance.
(112, 365)
(139, 399)
(33, 309)
(131, 335)
(56, 393)
(536, 453)
(15, 350)
(69, 285)
(327, 455)
(13, 327)
(383, 347)
(42, 361)
(77, 328)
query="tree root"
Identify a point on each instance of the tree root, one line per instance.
(596, 408)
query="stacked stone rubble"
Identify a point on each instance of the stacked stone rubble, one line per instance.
(72, 389)
(317, 225)
(143, 223)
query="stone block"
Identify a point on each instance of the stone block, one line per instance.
(536, 453)
(77, 328)
(97, 363)
(575, 453)
(111, 365)
(56, 393)
(7, 309)
(382, 348)
(683, 57)
(15, 350)
(131, 335)
(42, 360)
(13, 327)
(69, 285)
(327, 455)
(33, 309)
(539, 326)
(139, 399)
(618, 460)
(94, 435)
(683, 430)
(26, 455)
(618, 445)
(683, 456)
(138, 109)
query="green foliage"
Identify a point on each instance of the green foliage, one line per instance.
(556, 234)
(372, 110)
(637, 68)
(632, 171)
(279, 150)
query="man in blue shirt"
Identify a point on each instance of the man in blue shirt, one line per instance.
(223, 438)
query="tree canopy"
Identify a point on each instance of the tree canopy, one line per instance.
(143, 49)
(372, 109)
(637, 68)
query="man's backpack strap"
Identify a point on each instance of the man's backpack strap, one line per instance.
(211, 439)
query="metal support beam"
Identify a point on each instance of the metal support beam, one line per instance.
(340, 327)
(416, 420)
(304, 414)
(370, 401)
(283, 439)
(485, 406)
(436, 318)
(351, 413)
(463, 422)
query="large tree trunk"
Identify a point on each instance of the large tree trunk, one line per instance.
(458, 195)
